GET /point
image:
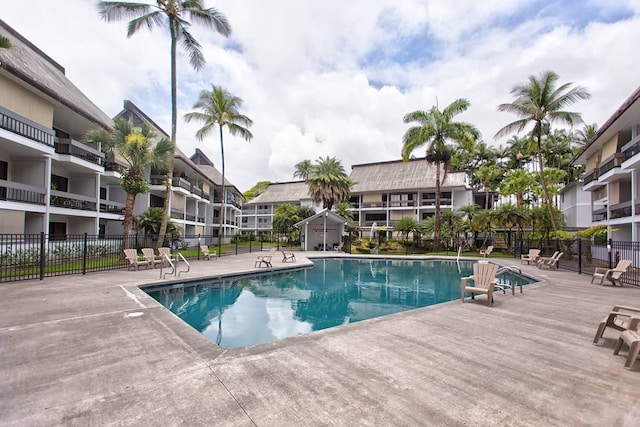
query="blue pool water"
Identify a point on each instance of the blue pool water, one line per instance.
(254, 309)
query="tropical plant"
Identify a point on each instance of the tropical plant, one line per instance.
(303, 169)
(138, 149)
(482, 222)
(517, 182)
(305, 212)
(5, 43)
(344, 210)
(175, 15)
(406, 225)
(256, 190)
(488, 174)
(149, 223)
(328, 182)
(434, 128)
(219, 107)
(584, 135)
(540, 102)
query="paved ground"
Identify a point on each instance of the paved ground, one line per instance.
(96, 350)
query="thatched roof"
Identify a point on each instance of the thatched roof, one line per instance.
(25, 62)
(398, 176)
(283, 192)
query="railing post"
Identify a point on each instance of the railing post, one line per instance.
(236, 239)
(609, 243)
(198, 246)
(42, 255)
(579, 255)
(84, 255)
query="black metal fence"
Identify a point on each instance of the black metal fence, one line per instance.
(36, 256)
(584, 256)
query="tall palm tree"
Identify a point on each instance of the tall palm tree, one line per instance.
(540, 102)
(328, 182)
(219, 107)
(137, 147)
(434, 129)
(517, 182)
(303, 169)
(488, 174)
(5, 43)
(584, 135)
(176, 15)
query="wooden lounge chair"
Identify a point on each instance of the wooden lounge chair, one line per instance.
(552, 262)
(165, 252)
(531, 257)
(486, 252)
(265, 259)
(619, 318)
(205, 252)
(288, 256)
(630, 337)
(612, 274)
(484, 280)
(339, 247)
(150, 257)
(132, 256)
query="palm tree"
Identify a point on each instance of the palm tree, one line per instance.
(406, 225)
(540, 103)
(176, 15)
(487, 174)
(344, 210)
(584, 135)
(328, 182)
(303, 169)
(219, 107)
(434, 129)
(517, 182)
(5, 43)
(136, 147)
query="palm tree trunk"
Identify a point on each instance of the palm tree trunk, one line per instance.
(486, 194)
(543, 181)
(128, 219)
(174, 120)
(223, 200)
(436, 231)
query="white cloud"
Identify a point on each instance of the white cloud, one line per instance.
(325, 78)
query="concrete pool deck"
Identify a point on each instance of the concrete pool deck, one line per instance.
(96, 350)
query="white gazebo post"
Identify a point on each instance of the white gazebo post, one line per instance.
(324, 239)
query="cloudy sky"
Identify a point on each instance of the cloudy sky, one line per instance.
(335, 77)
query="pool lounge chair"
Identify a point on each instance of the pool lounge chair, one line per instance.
(484, 280)
(165, 252)
(288, 256)
(150, 257)
(486, 252)
(339, 247)
(205, 252)
(551, 262)
(612, 274)
(131, 255)
(630, 337)
(265, 259)
(619, 318)
(531, 257)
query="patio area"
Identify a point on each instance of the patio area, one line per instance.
(96, 350)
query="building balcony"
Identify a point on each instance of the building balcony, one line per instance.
(610, 169)
(79, 150)
(590, 180)
(62, 199)
(599, 215)
(620, 210)
(22, 193)
(111, 207)
(631, 153)
(432, 202)
(24, 127)
(176, 214)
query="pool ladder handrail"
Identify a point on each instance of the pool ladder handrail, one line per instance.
(505, 286)
(174, 267)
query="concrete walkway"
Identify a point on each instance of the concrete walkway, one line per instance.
(96, 350)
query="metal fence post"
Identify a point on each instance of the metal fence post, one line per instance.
(42, 255)
(84, 255)
(198, 246)
(579, 255)
(609, 243)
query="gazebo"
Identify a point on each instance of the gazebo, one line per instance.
(322, 231)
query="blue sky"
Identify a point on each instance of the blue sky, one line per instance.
(335, 78)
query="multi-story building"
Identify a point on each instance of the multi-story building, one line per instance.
(52, 182)
(383, 193)
(612, 171)
(49, 180)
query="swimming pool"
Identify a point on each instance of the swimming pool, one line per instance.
(254, 309)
